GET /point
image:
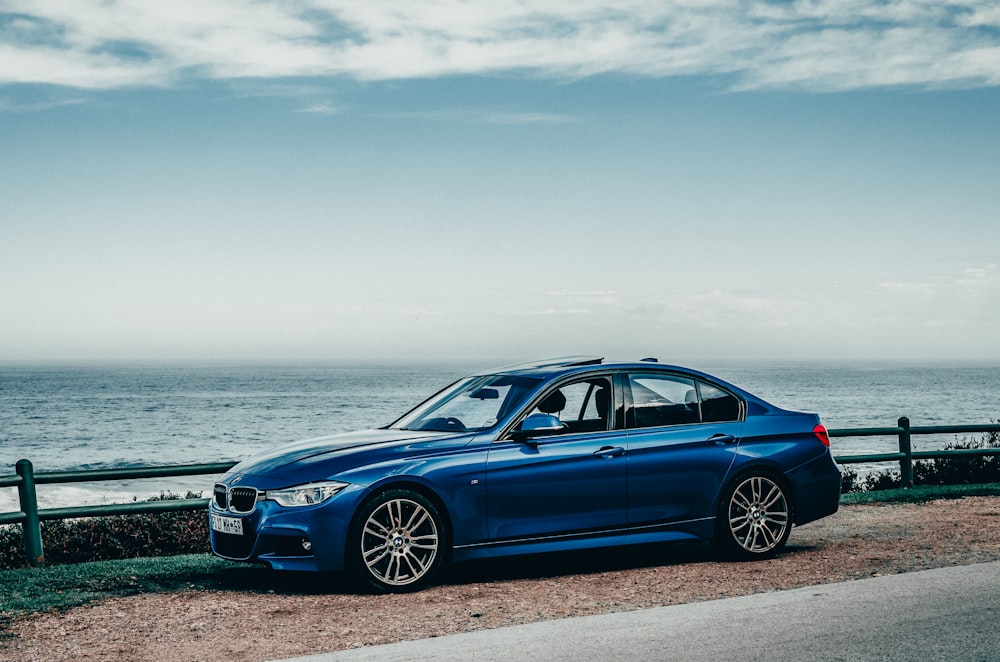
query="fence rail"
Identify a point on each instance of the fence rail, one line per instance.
(30, 517)
(906, 455)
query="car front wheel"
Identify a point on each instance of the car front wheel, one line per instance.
(754, 517)
(398, 541)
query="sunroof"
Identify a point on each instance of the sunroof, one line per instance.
(553, 363)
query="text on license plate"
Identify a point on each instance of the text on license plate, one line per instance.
(230, 525)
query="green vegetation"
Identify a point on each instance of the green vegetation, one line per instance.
(113, 537)
(58, 587)
(921, 493)
(958, 470)
(63, 586)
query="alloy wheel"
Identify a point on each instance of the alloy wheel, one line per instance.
(758, 515)
(399, 542)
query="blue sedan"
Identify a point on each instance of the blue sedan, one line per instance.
(557, 455)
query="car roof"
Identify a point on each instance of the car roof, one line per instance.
(577, 363)
(546, 369)
(546, 365)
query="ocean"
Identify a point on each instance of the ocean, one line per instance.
(116, 415)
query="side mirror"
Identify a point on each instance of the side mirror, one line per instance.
(539, 425)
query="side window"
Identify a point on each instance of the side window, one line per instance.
(662, 400)
(718, 406)
(584, 406)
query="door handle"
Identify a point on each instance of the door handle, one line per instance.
(722, 439)
(609, 452)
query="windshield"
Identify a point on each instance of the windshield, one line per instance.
(472, 404)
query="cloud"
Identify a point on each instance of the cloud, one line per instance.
(28, 105)
(818, 44)
(961, 303)
(485, 116)
(973, 280)
(979, 278)
(322, 108)
(721, 309)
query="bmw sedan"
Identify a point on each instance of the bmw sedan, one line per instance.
(556, 455)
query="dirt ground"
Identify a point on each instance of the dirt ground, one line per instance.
(294, 619)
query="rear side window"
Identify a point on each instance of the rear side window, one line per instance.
(659, 400)
(718, 406)
(662, 400)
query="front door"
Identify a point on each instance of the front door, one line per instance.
(564, 483)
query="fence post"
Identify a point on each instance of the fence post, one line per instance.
(29, 506)
(906, 464)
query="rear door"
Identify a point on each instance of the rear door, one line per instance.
(682, 436)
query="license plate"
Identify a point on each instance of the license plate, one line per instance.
(231, 525)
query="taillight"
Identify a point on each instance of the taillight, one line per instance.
(822, 434)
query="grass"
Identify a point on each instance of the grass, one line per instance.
(59, 587)
(921, 493)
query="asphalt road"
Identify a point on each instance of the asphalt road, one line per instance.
(943, 614)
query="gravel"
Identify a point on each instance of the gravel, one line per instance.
(859, 541)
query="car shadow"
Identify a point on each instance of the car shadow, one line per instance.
(596, 561)
(246, 578)
(555, 564)
(259, 579)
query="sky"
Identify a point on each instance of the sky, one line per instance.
(329, 179)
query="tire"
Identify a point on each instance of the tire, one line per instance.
(755, 517)
(398, 542)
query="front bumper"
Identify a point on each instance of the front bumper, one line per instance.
(308, 538)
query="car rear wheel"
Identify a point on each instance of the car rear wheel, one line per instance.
(398, 541)
(755, 517)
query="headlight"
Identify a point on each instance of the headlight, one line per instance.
(305, 495)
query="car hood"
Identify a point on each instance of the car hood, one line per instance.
(322, 457)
